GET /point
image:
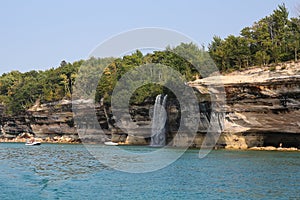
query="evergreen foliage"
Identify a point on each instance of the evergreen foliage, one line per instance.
(272, 39)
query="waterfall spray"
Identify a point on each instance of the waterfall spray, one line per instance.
(158, 131)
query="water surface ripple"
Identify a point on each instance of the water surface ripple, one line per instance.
(56, 171)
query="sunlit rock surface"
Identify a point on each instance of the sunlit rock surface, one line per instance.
(261, 108)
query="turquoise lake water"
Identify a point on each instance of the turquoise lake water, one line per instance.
(56, 171)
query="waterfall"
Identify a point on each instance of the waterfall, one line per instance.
(158, 131)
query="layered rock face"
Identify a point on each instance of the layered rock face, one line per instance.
(52, 119)
(261, 108)
(11, 127)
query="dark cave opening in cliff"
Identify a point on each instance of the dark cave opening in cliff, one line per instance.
(286, 140)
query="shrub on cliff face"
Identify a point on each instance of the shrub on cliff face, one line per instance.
(272, 68)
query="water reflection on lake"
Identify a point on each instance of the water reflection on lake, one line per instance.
(56, 171)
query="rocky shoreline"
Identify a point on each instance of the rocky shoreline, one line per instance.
(271, 148)
(54, 140)
(63, 140)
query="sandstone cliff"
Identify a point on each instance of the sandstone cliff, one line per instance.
(262, 109)
(262, 106)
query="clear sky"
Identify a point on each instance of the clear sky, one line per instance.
(37, 34)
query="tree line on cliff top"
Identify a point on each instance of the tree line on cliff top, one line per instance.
(273, 39)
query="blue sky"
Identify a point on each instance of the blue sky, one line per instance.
(38, 34)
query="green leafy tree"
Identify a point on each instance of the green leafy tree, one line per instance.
(274, 38)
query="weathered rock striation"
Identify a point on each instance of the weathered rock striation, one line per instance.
(52, 120)
(12, 126)
(261, 108)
